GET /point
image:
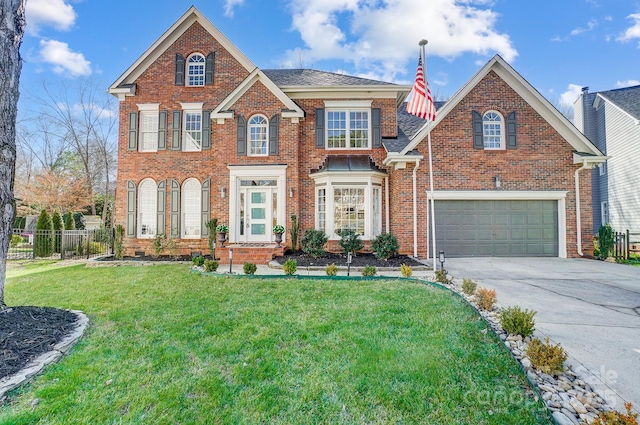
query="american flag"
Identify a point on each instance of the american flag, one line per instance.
(421, 104)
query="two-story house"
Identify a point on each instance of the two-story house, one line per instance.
(611, 119)
(205, 133)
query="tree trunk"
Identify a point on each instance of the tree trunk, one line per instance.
(12, 23)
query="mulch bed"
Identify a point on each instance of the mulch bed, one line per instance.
(360, 260)
(26, 332)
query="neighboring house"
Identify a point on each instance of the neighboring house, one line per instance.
(205, 133)
(611, 120)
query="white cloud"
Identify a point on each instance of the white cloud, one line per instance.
(382, 35)
(55, 13)
(571, 95)
(627, 83)
(229, 5)
(63, 59)
(590, 26)
(98, 111)
(633, 31)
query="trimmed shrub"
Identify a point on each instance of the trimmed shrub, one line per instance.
(95, 248)
(331, 270)
(15, 241)
(469, 286)
(295, 229)
(159, 244)
(546, 357)
(614, 417)
(118, 248)
(249, 268)
(350, 242)
(290, 266)
(44, 239)
(486, 298)
(406, 271)
(210, 265)
(442, 276)
(69, 222)
(369, 271)
(313, 242)
(518, 322)
(385, 246)
(198, 261)
(58, 225)
(605, 241)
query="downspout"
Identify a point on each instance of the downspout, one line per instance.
(386, 203)
(415, 210)
(578, 221)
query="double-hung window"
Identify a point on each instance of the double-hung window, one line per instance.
(147, 208)
(191, 208)
(192, 127)
(348, 124)
(195, 70)
(493, 130)
(258, 138)
(148, 127)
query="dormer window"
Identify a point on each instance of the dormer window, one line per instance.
(195, 70)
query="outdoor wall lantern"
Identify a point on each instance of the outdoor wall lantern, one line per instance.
(223, 192)
(230, 260)
(290, 192)
(441, 255)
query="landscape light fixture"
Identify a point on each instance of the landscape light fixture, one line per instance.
(441, 255)
(230, 260)
(349, 258)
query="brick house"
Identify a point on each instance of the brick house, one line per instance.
(204, 133)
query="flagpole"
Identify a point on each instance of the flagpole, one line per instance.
(422, 44)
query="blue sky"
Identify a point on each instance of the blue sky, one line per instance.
(558, 46)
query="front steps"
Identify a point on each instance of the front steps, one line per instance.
(249, 253)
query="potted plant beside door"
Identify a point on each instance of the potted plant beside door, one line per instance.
(278, 230)
(222, 231)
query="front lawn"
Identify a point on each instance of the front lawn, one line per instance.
(166, 346)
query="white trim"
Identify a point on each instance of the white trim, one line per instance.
(522, 87)
(249, 141)
(186, 70)
(174, 32)
(516, 195)
(195, 106)
(348, 104)
(148, 107)
(604, 206)
(503, 128)
(347, 129)
(262, 172)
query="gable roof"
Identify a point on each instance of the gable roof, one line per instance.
(176, 30)
(539, 103)
(627, 99)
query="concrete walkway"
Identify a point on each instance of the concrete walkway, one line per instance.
(591, 307)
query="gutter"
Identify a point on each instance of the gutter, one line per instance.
(578, 219)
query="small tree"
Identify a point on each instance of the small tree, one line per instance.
(44, 240)
(118, 248)
(211, 225)
(69, 222)
(58, 225)
(295, 228)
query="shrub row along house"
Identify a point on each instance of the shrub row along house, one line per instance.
(204, 133)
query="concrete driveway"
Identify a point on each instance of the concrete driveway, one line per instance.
(591, 307)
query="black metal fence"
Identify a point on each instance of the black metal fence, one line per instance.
(625, 244)
(60, 244)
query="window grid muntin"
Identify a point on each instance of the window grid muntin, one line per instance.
(258, 126)
(147, 208)
(195, 70)
(193, 131)
(493, 130)
(321, 209)
(349, 209)
(191, 208)
(348, 129)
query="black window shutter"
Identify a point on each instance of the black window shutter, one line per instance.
(162, 130)
(208, 69)
(206, 200)
(206, 130)
(319, 127)
(241, 142)
(273, 134)
(179, 70)
(162, 204)
(376, 127)
(175, 209)
(133, 131)
(176, 127)
(131, 209)
(478, 134)
(512, 131)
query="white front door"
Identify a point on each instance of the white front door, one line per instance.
(256, 212)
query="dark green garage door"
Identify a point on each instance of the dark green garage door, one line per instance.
(497, 228)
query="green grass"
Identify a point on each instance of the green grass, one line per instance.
(166, 346)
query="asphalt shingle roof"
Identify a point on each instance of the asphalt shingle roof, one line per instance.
(408, 126)
(627, 98)
(312, 77)
(348, 163)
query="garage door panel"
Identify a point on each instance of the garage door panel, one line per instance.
(497, 228)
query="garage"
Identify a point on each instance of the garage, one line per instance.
(497, 228)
